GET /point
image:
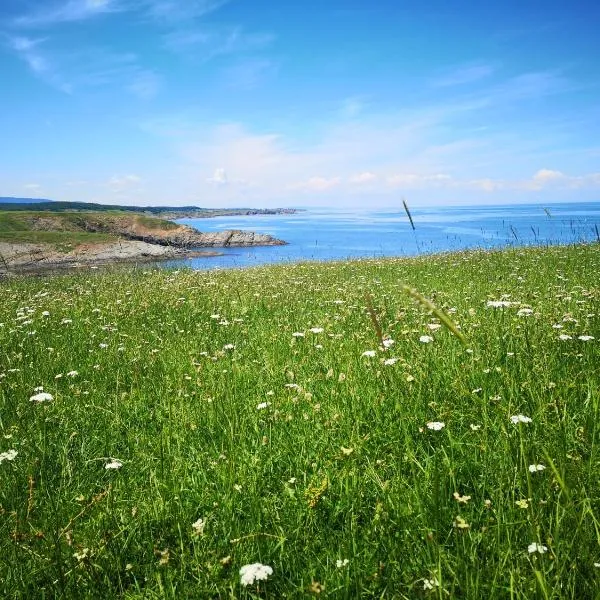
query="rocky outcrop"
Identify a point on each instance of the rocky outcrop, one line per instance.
(178, 236)
(20, 258)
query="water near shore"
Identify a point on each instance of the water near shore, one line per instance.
(329, 234)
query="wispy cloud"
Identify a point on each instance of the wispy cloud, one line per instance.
(463, 75)
(71, 11)
(248, 73)
(177, 10)
(145, 85)
(89, 68)
(31, 52)
(206, 43)
(68, 12)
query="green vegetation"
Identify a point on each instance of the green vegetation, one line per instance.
(65, 230)
(265, 403)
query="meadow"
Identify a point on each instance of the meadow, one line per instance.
(160, 430)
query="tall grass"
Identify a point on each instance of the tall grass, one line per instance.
(264, 403)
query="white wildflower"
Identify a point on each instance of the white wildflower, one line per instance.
(254, 572)
(263, 405)
(535, 547)
(229, 347)
(390, 361)
(524, 312)
(585, 338)
(316, 330)
(388, 343)
(520, 419)
(8, 455)
(426, 339)
(72, 374)
(41, 397)
(369, 353)
(198, 526)
(433, 326)
(564, 337)
(498, 303)
(430, 584)
(297, 334)
(113, 464)
(45, 314)
(536, 468)
(475, 427)
(436, 425)
(340, 563)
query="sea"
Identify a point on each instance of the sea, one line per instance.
(325, 234)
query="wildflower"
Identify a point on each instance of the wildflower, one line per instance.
(368, 353)
(39, 388)
(72, 373)
(229, 347)
(347, 451)
(436, 425)
(237, 487)
(297, 334)
(535, 547)
(82, 555)
(316, 330)
(520, 419)
(522, 503)
(433, 326)
(388, 343)
(339, 563)
(41, 397)
(460, 523)
(461, 499)
(113, 464)
(263, 405)
(585, 338)
(390, 361)
(292, 481)
(66, 321)
(597, 565)
(430, 584)
(254, 572)
(475, 427)
(524, 312)
(564, 337)
(8, 455)
(498, 303)
(45, 314)
(426, 339)
(536, 468)
(198, 526)
(102, 345)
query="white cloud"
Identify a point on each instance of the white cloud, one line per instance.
(463, 75)
(72, 11)
(209, 42)
(66, 12)
(219, 177)
(34, 187)
(544, 175)
(361, 178)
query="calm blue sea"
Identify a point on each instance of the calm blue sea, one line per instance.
(333, 234)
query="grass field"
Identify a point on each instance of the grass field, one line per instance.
(203, 421)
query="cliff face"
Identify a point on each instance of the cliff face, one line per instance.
(146, 229)
(186, 237)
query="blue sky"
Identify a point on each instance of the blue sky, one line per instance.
(319, 102)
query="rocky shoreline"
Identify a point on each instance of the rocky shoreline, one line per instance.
(38, 258)
(93, 239)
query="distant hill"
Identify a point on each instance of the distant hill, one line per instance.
(12, 200)
(168, 212)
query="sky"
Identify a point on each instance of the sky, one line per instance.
(264, 103)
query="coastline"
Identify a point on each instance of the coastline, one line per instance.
(28, 258)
